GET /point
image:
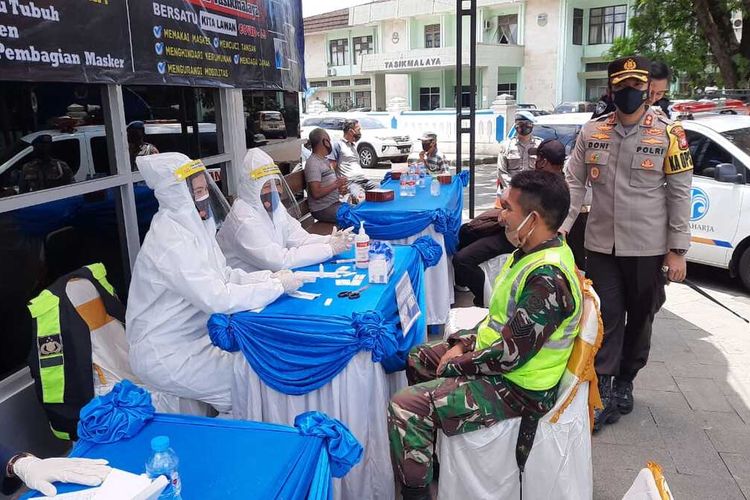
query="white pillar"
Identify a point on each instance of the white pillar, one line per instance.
(504, 108)
(231, 133)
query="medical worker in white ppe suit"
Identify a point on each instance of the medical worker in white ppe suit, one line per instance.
(259, 233)
(181, 278)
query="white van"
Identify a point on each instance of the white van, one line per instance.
(85, 149)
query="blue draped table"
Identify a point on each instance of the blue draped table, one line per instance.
(226, 459)
(405, 219)
(302, 347)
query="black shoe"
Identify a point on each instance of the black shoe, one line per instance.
(610, 413)
(419, 493)
(622, 394)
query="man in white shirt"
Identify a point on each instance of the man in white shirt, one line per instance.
(346, 156)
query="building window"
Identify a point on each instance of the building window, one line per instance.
(362, 45)
(600, 66)
(339, 52)
(595, 88)
(340, 83)
(607, 23)
(465, 96)
(429, 98)
(361, 81)
(320, 83)
(362, 99)
(432, 36)
(508, 88)
(577, 26)
(341, 101)
(507, 29)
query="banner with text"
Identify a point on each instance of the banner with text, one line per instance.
(227, 43)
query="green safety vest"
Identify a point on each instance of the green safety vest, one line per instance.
(60, 360)
(545, 369)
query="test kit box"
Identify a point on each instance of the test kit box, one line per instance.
(379, 195)
(380, 266)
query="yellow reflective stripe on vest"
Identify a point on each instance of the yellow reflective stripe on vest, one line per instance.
(45, 310)
(100, 273)
(60, 434)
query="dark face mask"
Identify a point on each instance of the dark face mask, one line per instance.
(203, 206)
(270, 201)
(329, 148)
(663, 103)
(524, 129)
(357, 136)
(628, 100)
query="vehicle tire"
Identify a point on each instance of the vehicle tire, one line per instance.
(743, 268)
(367, 156)
(399, 159)
(283, 135)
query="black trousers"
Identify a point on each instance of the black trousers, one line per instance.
(576, 238)
(631, 290)
(476, 247)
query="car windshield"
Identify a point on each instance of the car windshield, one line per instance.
(370, 123)
(13, 151)
(272, 117)
(566, 134)
(739, 137)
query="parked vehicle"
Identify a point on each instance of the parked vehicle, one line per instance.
(270, 124)
(86, 153)
(575, 107)
(378, 142)
(563, 127)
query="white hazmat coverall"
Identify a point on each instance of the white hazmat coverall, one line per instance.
(180, 278)
(254, 238)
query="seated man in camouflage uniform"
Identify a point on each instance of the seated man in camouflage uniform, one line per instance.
(44, 171)
(512, 363)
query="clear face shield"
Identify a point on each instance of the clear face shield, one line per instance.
(209, 201)
(275, 194)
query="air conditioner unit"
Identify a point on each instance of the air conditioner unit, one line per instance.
(487, 25)
(331, 71)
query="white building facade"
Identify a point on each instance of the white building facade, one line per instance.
(540, 51)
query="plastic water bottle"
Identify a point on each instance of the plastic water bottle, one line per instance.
(403, 190)
(412, 182)
(163, 462)
(362, 247)
(420, 175)
(435, 187)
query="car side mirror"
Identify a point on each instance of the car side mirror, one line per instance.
(727, 172)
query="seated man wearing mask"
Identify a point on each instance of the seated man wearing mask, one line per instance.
(259, 233)
(180, 278)
(511, 364)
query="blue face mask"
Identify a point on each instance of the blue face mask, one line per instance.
(270, 201)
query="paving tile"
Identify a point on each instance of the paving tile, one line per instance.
(623, 457)
(692, 452)
(689, 368)
(669, 409)
(739, 466)
(655, 376)
(611, 484)
(637, 428)
(707, 353)
(721, 420)
(703, 394)
(687, 487)
(730, 440)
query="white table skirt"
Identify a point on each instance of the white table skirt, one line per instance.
(438, 279)
(358, 396)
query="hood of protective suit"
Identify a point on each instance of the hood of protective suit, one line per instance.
(165, 173)
(259, 170)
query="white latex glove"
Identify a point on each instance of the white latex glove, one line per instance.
(39, 474)
(339, 245)
(288, 280)
(345, 233)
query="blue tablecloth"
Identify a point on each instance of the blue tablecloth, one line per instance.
(227, 459)
(404, 217)
(296, 346)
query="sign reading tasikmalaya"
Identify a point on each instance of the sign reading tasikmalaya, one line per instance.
(225, 43)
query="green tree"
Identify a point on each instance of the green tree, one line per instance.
(692, 36)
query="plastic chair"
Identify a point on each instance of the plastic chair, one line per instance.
(482, 465)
